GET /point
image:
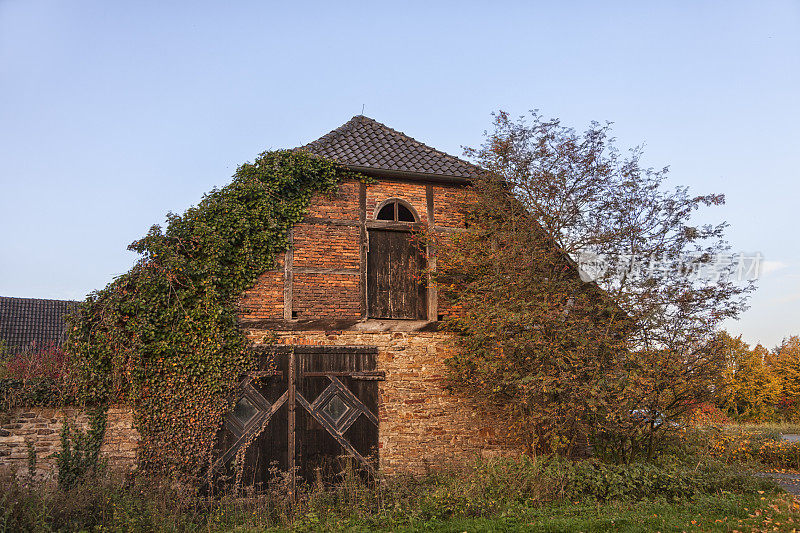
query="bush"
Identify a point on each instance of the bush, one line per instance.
(752, 447)
(707, 414)
(35, 376)
(22, 393)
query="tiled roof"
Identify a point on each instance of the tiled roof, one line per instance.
(28, 321)
(364, 143)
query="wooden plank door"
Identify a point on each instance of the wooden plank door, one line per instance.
(396, 285)
(337, 415)
(307, 409)
(255, 431)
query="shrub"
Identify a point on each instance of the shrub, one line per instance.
(707, 414)
(35, 376)
(49, 362)
(756, 447)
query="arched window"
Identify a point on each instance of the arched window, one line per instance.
(396, 278)
(396, 210)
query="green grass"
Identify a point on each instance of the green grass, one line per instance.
(550, 494)
(708, 513)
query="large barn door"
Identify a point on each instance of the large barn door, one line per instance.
(304, 410)
(395, 276)
(338, 394)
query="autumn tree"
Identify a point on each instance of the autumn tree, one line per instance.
(748, 388)
(612, 348)
(785, 365)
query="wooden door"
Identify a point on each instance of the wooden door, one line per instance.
(255, 431)
(307, 409)
(396, 279)
(337, 415)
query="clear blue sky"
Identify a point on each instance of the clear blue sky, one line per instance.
(114, 113)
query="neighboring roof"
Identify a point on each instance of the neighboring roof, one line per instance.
(31, 321)
(370, 147)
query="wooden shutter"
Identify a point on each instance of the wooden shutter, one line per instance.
(395, 276)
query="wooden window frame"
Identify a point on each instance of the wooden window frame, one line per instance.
(396, 201)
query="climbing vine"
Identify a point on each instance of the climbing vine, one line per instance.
(164, 336)
(79, 455)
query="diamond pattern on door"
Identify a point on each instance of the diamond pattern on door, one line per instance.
(272, 422)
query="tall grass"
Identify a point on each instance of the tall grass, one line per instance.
(477, 492)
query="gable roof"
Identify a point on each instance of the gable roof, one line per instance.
(366, 145)
(31, 321)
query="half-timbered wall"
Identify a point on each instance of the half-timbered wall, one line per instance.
(323, 275)
(316, 296)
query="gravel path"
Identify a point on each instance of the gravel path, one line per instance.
(789, 482)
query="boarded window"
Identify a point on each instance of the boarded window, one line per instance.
(396, 279)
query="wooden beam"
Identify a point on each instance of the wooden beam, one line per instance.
(352, 324)
(323, 221)
(433, 295)
(362, 239)
(344, 271)
(367, 375)
(292, 422)
(397, 226)
(253, 429)
(288, 278)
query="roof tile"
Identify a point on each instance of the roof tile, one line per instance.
(26, 322)
(364, 142)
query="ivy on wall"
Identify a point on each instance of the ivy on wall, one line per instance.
(164, 336)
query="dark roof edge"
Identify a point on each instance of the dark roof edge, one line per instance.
(408, 176)
(38, 299)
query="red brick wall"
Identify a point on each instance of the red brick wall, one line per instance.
(450, 206)
(319, 247)
(326, 296)
(413, 193)
(341, 205)
(264, 301)
(422, 425)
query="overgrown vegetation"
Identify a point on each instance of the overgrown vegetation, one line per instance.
(623, 363)
(164, 336)
(550, 493)
(751, 447)
(79, 455)
(37, 375)
(616, 360)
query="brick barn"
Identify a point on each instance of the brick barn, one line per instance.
(351, 359)
(360, 363)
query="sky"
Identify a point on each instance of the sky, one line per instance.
(114, 113)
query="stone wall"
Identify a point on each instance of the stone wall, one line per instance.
(41, 427)
(422, 425)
